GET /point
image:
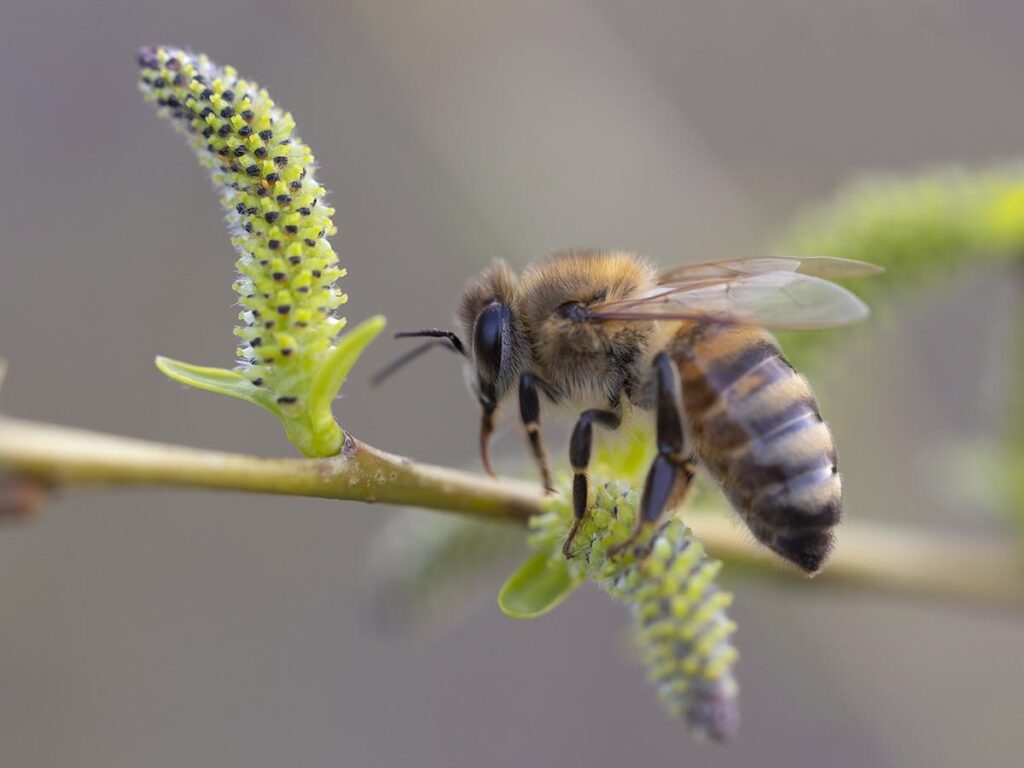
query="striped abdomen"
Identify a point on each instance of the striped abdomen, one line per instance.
(756, 428)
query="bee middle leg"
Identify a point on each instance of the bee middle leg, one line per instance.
(579, 457)
(529, 412)
(672, 469)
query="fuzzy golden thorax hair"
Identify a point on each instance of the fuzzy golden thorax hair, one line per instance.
(580, 360)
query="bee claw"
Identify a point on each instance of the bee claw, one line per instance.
(567, 552)
(617, 549)
(614, 551)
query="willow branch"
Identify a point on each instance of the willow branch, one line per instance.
(887, 557)
(896, 559)
(64, 457)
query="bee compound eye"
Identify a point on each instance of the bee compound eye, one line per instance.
(488, 333)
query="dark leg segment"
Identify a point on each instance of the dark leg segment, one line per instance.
(661, 479)
(529, 411)
(486, 429)
(670, 472)
(579, 456)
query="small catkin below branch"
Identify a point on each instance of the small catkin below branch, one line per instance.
(886, 557)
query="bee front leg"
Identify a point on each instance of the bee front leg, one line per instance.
(579, 456)
(671, 472)
(529, 411)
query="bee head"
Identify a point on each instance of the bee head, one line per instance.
(499, 350)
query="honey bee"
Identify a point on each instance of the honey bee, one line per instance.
(607, 335)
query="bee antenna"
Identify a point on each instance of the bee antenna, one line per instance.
(446, 339)
(436, 333)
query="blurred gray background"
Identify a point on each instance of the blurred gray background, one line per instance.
(171, 628)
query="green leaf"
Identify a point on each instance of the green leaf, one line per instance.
(309, 422)
(220, 380)
(627, 456)
(538, 586)
(336, 366)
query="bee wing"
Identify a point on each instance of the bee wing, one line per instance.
(818, 266)
(782, 300)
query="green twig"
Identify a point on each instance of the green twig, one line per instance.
(66, 458)
(885, 557)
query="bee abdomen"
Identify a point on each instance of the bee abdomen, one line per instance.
(764, 440)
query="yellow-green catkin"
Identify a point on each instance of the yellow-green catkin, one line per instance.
(922, 229)
(918, 226)
(275, 209)
(679, 612)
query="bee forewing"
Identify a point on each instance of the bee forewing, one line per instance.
(818, 266)
(832, 267)
(777, 299)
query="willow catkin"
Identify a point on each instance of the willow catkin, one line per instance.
(679, 612)
(275, 210)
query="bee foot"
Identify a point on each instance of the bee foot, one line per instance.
(567, 545)
(617, 549)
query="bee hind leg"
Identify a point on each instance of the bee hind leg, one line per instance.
(671, 471)
(580, 447)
